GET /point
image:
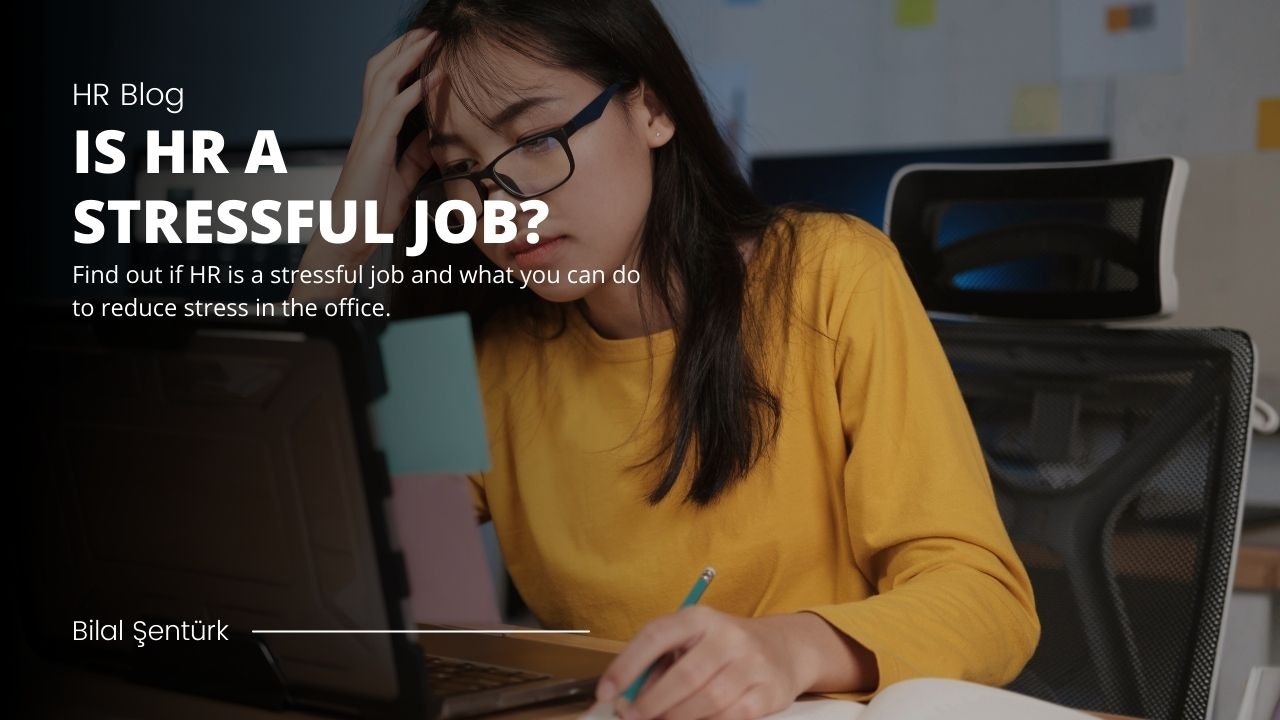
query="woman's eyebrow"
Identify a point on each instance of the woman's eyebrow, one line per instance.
(503, 118)
(518, 108)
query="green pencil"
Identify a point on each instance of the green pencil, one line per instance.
(695, 593)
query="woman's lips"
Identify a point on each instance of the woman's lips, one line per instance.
(527, 257)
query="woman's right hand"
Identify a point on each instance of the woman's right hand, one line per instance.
(370, 171)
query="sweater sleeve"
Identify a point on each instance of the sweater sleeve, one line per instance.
(951, 597)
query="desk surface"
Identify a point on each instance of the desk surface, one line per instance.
(575, 709)
(91, 695)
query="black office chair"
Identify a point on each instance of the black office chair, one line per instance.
(1117, 455)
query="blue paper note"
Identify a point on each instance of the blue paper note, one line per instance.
(431, 419)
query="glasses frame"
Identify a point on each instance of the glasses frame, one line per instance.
(586, 116)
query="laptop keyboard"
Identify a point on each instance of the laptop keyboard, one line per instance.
(451, 676)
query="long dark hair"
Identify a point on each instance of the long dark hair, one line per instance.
(722, 411)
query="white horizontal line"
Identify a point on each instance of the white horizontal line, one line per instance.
(420, 632)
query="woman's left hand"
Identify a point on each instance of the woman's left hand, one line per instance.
(725, 667)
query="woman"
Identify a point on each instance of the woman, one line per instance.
(769, 399)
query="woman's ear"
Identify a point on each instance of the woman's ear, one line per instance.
(650, 117)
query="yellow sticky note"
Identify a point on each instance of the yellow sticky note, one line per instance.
(1269, 123)
(1037, 110)
(917, 13)
(1117, 18)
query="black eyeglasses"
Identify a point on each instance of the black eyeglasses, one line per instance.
(532, 167)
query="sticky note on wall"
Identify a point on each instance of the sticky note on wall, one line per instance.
(1142, 15)
(1134, 16)
(1117, 18)
(1269, 123)
(1037, 110)
(431, 420)
(916, 13)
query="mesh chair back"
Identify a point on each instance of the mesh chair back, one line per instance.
(1118, 458)
(1089, 240)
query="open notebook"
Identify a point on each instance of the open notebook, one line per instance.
(934, 699)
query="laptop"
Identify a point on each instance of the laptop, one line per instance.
(222, 479)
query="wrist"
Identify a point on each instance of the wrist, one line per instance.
(826, 659)
(797, 644)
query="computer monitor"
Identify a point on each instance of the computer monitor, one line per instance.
(209, 507)
(194, 482)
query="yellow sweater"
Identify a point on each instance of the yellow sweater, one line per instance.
(874, 508)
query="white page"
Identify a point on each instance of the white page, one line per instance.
(939, 699)
(821, 709)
